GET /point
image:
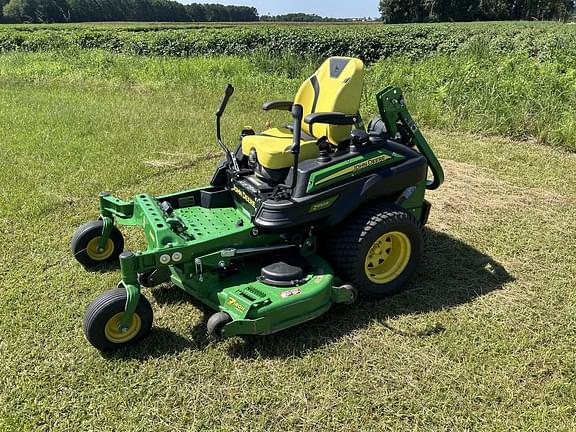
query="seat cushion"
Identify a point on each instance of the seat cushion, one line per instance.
(281, 132)
(273, 148)
(286, 132)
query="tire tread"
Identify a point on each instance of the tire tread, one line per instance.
(344, 248)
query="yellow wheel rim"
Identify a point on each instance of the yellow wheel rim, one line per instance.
(99, 255)
(115, 334)
(388, 257)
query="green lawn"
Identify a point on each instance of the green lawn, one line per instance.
(483, 340)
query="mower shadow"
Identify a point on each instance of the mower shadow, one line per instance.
(452, 273)
(104, 268)
(161, 341)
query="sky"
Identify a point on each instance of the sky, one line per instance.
(327, 8)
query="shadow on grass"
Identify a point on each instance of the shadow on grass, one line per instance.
(452, 273)
(161, 341)
(103, 268)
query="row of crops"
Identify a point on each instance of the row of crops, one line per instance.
(369, 42)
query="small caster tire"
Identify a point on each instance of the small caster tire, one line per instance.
(216, 324)
(353, 293)
(103, 316)
(84, 245)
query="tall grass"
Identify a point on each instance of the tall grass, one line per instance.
(506, 94)
(475, 90)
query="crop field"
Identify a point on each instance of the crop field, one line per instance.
(484, 337)
(370, 42)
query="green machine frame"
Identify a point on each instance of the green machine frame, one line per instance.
(193, 244)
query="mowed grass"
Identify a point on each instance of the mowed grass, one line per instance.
(483, 339)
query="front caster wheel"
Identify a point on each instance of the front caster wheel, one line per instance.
(85, 248)
(103, 317)
(216, 324)
(353, 293)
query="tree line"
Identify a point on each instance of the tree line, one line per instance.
(409, 11)
(304, 17)
(51, 11)
(392, 11)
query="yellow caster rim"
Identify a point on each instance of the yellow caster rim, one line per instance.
(99, 255)
(115, 334)
(388, 257)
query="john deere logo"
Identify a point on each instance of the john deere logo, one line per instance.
(244, 196)
(370, 162)
(360, 166)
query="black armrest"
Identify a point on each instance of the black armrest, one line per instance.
(333, 118)
(277, 105)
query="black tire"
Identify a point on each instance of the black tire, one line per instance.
(84, 240)
(216, 323)
(105, 311)
(367, 230)
(353, 291)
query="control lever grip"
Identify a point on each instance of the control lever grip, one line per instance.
(227, 94)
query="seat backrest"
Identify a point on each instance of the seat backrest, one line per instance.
(335, 87)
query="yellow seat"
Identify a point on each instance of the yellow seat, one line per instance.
(273, 148)
(335, 87)
(282, 132)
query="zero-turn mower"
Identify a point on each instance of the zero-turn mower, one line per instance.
(295, 219)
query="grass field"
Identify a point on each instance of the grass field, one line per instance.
(483, 340)
(508, 79)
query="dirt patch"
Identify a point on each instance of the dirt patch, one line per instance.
(179, 162)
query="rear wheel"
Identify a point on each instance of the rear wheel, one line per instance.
(85, 244)
(378, 249)
(104, 315)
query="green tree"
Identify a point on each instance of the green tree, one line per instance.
(295, 17)
(48, 11)
(216, 13)
(196, 12)
(399, 11)
(2, 4)
(394, 11)
(20, 11)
